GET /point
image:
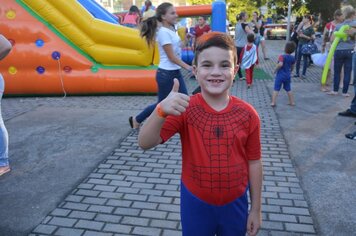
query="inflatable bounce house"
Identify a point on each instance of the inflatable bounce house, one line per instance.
(76, 47)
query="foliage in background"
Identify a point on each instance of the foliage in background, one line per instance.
(279, 8)
(327, 9)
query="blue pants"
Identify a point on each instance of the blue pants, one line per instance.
(202, 219)
(282, 81)
(342, 58)
(299, 58)
(353, 103)
(164, 79)
(4, 141)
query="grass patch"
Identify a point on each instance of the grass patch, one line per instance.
(258, 74)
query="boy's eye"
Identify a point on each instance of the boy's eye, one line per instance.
(226, 65)
(206, 65)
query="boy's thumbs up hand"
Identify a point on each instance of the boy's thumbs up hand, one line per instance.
(175, 103)
(175, 86)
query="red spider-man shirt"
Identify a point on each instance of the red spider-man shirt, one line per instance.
(216, 148)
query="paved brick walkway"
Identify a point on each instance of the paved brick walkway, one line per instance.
(136, 192)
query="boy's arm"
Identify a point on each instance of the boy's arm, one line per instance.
(5, 47)
(174, 104)
(254, 221)
(279, 66)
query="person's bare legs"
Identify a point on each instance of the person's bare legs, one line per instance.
(325, 87)
(291, 98)
(274, 98)
(263, 46)
(135, 124)
(4, 170)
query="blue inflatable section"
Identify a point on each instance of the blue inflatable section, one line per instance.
(218, 21)
(98, 11)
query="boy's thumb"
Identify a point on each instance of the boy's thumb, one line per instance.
(175, 86)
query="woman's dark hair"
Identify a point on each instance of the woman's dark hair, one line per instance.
(148, 4)
(290, 47)
(240, 16)
(149, 26)
(309, 17)
(214, 39)
(133, 9)
(204, 17)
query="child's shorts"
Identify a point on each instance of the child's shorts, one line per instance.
(202, 219)
(279, 82)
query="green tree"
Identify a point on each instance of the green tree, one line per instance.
(326, 7)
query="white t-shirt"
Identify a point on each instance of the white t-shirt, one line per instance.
(166, 36)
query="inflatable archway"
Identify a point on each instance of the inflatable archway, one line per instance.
(75, 47)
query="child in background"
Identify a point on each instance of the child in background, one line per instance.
(249, 59)
(132, 18)
(283, 73)
(221, 148)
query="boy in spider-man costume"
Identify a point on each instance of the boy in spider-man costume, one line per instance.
(221, 148)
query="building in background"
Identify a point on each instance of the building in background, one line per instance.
(124, 5)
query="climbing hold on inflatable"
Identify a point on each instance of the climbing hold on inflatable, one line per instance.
(12, 70)
(40, 70)
(10, 14)
(67, 69)
(39, 43)
(94, 68)
(56, 55)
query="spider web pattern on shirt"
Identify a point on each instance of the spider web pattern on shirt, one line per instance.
(218, 132)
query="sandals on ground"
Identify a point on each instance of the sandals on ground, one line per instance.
(351, 136)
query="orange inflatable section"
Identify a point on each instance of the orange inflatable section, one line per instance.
(31, 70)
(44, 62)
(194, 10)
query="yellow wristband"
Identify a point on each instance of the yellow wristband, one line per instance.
(160, 112)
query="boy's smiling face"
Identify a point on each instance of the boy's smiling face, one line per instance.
(215, 71)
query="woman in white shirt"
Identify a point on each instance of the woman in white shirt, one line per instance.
(169, 45)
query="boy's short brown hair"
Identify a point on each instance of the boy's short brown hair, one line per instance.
(214, 39)
(251, 38)
(290, 47)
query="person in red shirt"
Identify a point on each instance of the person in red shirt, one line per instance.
(201, 28)
(221, 148)
(132, 18)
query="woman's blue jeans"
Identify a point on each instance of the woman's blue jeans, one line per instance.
(4, 141)
(299, 58)
(342, 58)
(353, 103)
(164, 79)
